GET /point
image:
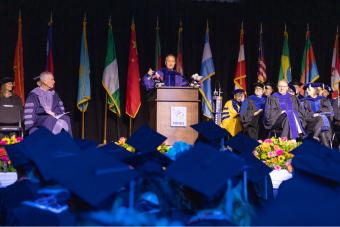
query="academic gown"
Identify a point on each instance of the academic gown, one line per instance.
(12, 196)
(285, 113)
(168, 77)
(251, 124)
(230, 117)
(37, 103)
(317, 105)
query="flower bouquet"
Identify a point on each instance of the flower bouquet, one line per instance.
(275, 152)
(5, 163)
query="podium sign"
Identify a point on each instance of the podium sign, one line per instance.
(174, 110)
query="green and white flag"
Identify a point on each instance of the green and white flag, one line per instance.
(110, 76)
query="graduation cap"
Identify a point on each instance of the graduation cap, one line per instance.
(42, 147)
(315, 159)
(268, 83)
(304, 201)
(291, 86)
(146, 139)
(205, 169)
(258, 84)
(85, 144)
(6, 80)
(315, 183)
(93, 176)
(211, 133)
(237, 91)
(18, 158)
(244, 146)
(307, 85)
(328, 88)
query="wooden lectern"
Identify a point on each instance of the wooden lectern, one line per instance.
(173, 110)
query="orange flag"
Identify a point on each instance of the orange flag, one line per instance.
(18, 65)
(133, 100)
(240, 74)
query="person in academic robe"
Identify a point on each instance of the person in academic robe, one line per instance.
(7, 96)
(168, 76)
(44, 108)
(297, 88)
(284, 113)
(251, 112)
(268, 89)
(231, 111)
(336, 120)
(318, 112)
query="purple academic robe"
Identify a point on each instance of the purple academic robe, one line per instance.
(168, 77)
(35, 115)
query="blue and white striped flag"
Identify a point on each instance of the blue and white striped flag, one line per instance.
(207, 71)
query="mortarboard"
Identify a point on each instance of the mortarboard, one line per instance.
(146, 139)
(210, 131)
(314, 85)
(237, 91)
(291, 86)
(205, 169)
(17, 157)
(258, 84)
(85, 144)
(93, 176)
(245, 146)
(6, 80)
(43, 147)
(312, 190)
(315, 159)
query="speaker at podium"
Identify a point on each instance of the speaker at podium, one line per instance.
(173, 110)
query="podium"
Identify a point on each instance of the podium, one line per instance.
(172, 112)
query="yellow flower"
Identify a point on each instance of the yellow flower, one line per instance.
(281, 158)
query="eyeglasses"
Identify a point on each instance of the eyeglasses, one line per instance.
(282, 86)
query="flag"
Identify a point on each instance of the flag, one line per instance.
(84, 86)
(309, 70)
(207, 71)
(285, 69)
(158, 56)
(179, 59)
(49, 55)
(335, 78)
(261, 73)
(240, 74)
(18, 65)
(133, 100)
(110, 76)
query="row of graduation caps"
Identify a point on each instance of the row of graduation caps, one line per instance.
(98, 172)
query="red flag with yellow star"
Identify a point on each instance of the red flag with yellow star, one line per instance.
(133, 100)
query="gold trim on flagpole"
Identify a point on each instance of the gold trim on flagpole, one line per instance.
(83, 124)
(105, 119)
(130, 126)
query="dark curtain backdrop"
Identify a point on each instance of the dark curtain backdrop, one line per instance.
(224, 22)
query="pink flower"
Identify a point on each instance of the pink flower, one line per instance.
(256, 153)
(277, 167)
(4, 158)
(3, 142)
(288, 163)
(279, 152)
(271, 154)
(19, 139)
(268, 141)
(260, 141)
(284, 138)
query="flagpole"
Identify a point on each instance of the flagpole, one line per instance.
(118, 129)
(82, 124)
(130, 126)
(105, 119)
